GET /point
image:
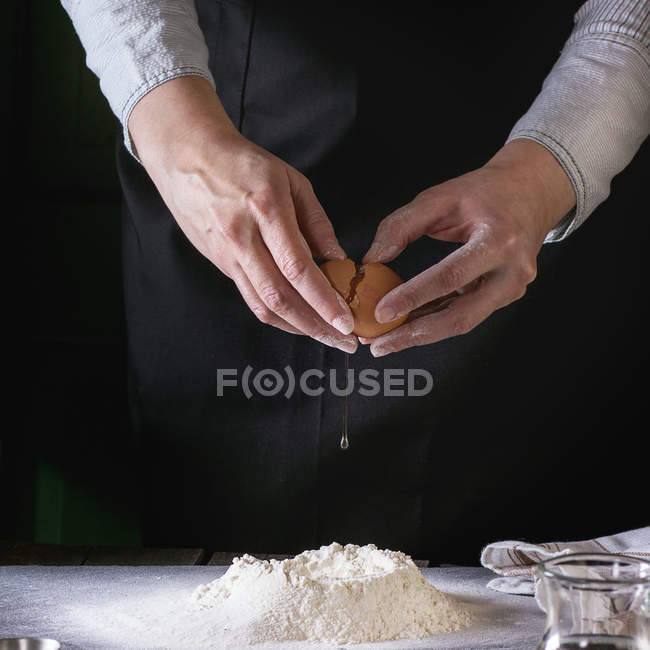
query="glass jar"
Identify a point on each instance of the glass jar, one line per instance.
(595, 601)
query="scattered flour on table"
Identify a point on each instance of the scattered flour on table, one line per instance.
(336, 594)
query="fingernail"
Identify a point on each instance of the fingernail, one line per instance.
(347, 346)
(385, 315)
(378, 351)
(334, 253)
(380, 252)
(344, 324)
(373, 252)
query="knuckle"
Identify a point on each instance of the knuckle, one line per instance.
(306, 183)
(317, 219)
(512, 242)
(414, 334)
(509, 243)
(273, 299)
(520, 293)
(293, 268)
(406, 301)
(233, 230)
(516, 291)
(262, 313)
(450, 278)
(531, 272)
(526, 273)
(469, 203)
(261, 201)
(461, 324)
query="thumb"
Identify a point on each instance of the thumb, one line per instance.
(402, 227)
(314, 224)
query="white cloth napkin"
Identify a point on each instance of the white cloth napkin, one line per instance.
(515, 561)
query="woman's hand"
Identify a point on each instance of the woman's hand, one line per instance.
(501, 212)
(251, 214)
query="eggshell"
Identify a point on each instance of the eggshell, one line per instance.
(362, 290)
(340, 274)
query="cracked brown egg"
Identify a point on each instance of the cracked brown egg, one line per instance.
(363, 286)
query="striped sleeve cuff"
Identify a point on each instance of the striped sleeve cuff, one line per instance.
(135, 45)
(593, 112)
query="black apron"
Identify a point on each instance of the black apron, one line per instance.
(373, 109)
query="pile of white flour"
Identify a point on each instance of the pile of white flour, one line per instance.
(337, 594)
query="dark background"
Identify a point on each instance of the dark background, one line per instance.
(66, 471)
(69, 471)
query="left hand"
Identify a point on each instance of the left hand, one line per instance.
(501, 212)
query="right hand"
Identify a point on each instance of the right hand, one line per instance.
(252, 215)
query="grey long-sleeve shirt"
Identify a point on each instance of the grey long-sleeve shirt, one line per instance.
(592, 113)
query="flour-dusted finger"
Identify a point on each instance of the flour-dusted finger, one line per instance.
(451, 274)
(407, 224)
(461, 315)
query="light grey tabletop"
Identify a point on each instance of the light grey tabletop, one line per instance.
(105, 607)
